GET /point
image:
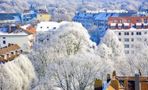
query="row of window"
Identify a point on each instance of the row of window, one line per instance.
(128, 52)
(127, 39)
(128, 45)
(132, 39)
(129, 21)
(131, 33)
(47, 27)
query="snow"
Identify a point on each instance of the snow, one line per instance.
(138, 24)
(17, 74)
(25, 26)
(145, 24)
(120, 24)
(113, 24)
(13, 34)
(126, 24)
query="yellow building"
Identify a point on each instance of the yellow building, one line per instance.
(43, 16)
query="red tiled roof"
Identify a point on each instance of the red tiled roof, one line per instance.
(11, 47)
(132, 20)
(29, 30)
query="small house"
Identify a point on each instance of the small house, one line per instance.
(9, 52)
(43, 15)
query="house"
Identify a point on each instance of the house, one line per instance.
(47, 26)
(43, 15)
(9, 52)
(143, 12)
(96, 22)
(28, 16)
(136, 82)
(10, 18)
(129, 31)
(21, 35)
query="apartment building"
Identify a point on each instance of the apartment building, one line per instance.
(129, 30)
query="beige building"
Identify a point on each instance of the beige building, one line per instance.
(43, 16)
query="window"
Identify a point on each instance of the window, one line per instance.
(126, 33)
(132, 52)
(139, 39)
(119, 33)
(138, 33)
(126, 52)
(4, 37)
(132, 39)
(4, 42)
(126, 45)
(132, 46)
(145, 32)
(12, 53)
(126, 39)
(41, 27)
(132, 33)
(145, 20)
(138, 20)
(54, 27)
(119, 39)
(128, 20)
(47, 27)
(120, 21)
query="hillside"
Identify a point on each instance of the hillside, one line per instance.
(65, 9)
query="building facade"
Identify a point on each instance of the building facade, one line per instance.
(43, 15)
(22, 36)
(130, 30)
(96, 22)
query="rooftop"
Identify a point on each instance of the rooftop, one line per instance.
(10, 47)
(12, 29)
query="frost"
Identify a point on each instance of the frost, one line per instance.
(17, 74)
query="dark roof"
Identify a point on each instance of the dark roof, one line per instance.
(9, 16)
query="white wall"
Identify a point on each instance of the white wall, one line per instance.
(21, 40)
(131, 49)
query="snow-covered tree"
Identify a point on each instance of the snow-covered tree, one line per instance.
(18, 74)
(113, 51)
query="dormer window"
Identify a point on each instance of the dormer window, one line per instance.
(145, 21)
(128, 20)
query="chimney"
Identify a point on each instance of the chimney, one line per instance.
(137, 82)
(108, 78)
(10, 29)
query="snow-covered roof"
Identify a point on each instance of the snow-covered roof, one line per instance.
(46, 26)
(126, 24)
(13, 34)
(23, 30)
(25, 26)
(145, 24)
(138, 24)
(113, 24)
(119, 24)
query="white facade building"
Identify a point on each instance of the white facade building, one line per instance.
(130, 38)
(23, 38)
(131, 31)
(47, 26)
